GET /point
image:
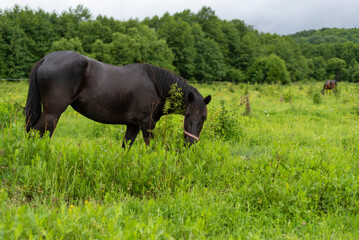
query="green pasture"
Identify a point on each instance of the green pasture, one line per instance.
(273, 162)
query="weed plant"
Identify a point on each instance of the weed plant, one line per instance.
(287, 170)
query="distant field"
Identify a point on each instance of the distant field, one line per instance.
(287, 169)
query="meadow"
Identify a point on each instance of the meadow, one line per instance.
(273, 161)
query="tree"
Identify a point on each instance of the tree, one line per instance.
(352, 72)
(209, 61)
(124, 49)
(101, 51)
(211, 25)
(355, 76)
(178, 35)
(73, 44)
(3, 64)
(235, 75)
(248, 51)
(270, 69)
(90, 31)
(289, 51)
(27, 36)
(19, 59)
(319, 68)
(347, 51)
(68, 24)
(335, 67)
(151, 49)
(276, 70)
(233, 43)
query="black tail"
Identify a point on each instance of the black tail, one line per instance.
(33, 103)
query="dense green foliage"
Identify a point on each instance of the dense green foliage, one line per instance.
(327, 35)
(286, 170)
(198, 46)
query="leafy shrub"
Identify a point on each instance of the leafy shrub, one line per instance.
(355, 76)
(224, 124)
(317, 99)
(174, 102)
(288, 96)
(270, 69)
(235, 75)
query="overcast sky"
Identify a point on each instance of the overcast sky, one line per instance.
(272, 16)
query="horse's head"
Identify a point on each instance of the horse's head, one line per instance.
(195, 115)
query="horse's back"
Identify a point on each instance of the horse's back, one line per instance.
(62, 69)
(57, 61)
(330, 84)
(102, 92)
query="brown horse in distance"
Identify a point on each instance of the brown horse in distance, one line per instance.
(329, 85)
(133, 95)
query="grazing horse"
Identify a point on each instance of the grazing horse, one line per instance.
(329, 85)
(133, 95)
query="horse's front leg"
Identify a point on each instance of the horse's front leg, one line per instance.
(131, 134)
(147, 130)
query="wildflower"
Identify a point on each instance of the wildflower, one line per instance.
(86, 202)
(267, 115)
(303, 223)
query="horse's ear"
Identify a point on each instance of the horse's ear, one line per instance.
(207, 99)
(190, 97)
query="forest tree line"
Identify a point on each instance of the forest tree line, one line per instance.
(198, 46)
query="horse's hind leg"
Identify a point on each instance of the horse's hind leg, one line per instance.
(47, 122)
(131, 134)
(54, 105)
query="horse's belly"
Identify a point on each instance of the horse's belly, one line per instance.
(116, 102)
(102, 114)
(112, 112)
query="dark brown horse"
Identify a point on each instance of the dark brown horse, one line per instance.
(133, 95)
(329, 85)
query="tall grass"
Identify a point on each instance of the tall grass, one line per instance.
(287, 170)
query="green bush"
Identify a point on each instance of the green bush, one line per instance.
(288, 96)
(224, 124)
(235, 76)
(317, 98)
(270, 69)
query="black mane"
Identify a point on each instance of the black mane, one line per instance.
(164, 79)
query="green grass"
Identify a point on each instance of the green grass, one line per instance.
(287, 170)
